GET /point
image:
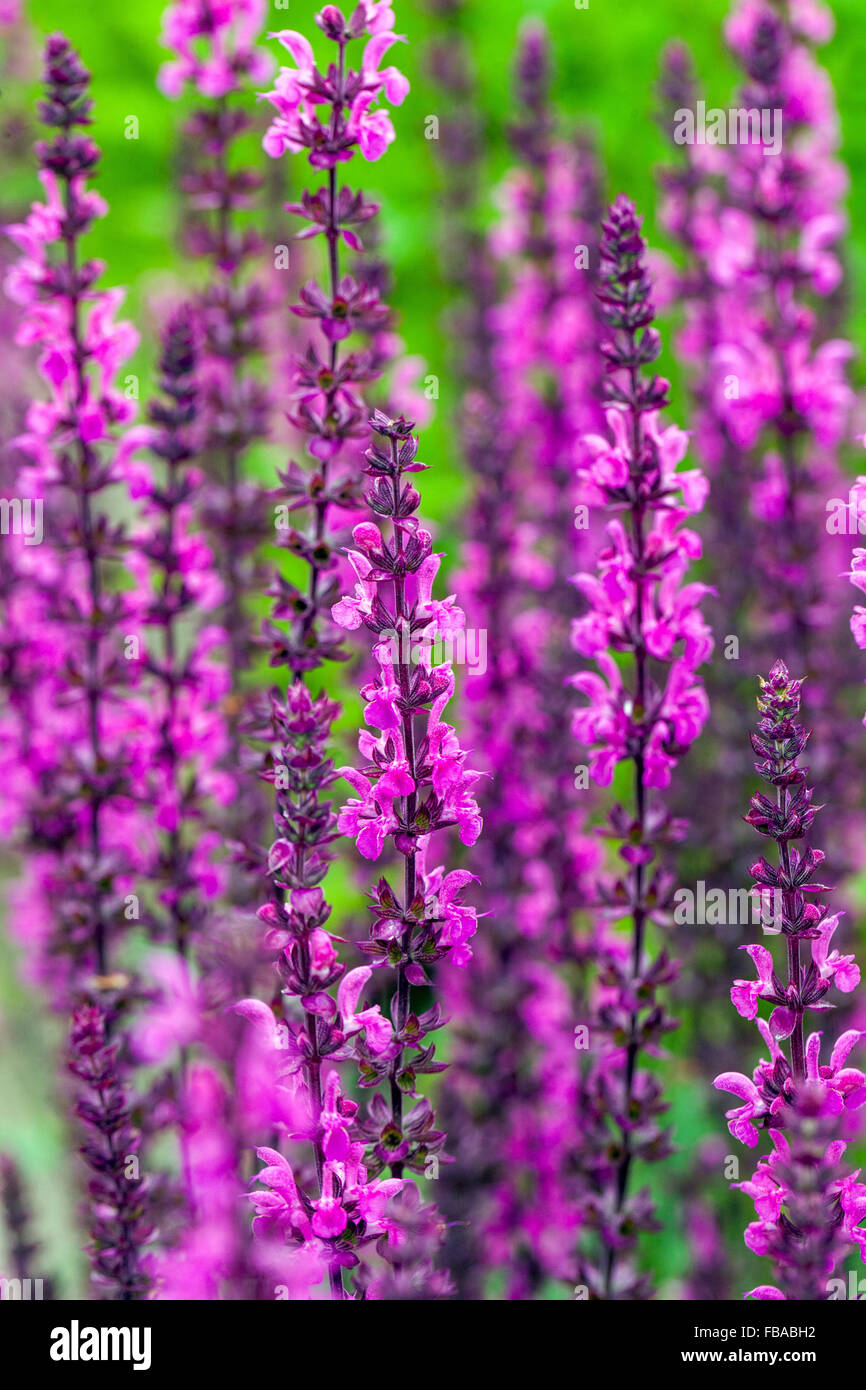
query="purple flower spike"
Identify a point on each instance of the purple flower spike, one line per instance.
(646, 711)
(182, 734)
(532, 368)
(215, 55)
(760, 220)
(82, 817)
(311, 1226)
(808, 1206)
(412, 783)
(120, 1227)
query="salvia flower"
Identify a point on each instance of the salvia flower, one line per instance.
(646, 710)
(181, 738)
(118, 1193)
(214, 47)
(317, 1025)
(350, 95)
(760, 222)
(84, 812)
(533, 390)
(216, 56)
(808, 1207)
(413, 782)
(204, 1261)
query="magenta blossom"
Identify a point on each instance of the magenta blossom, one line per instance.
(353, 119)
(798, 1189)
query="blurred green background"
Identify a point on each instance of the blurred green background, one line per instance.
(606, 59)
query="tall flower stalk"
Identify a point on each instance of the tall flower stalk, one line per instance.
(330, 412)
(808, 1206)
(215, 54)
(760, 222)
(76, 461)
(84, 818)
(646, 711)
(533, 389)
(412, 783)
(178, 741)
(183, 732)
(339, 1214)
(121, 1229)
